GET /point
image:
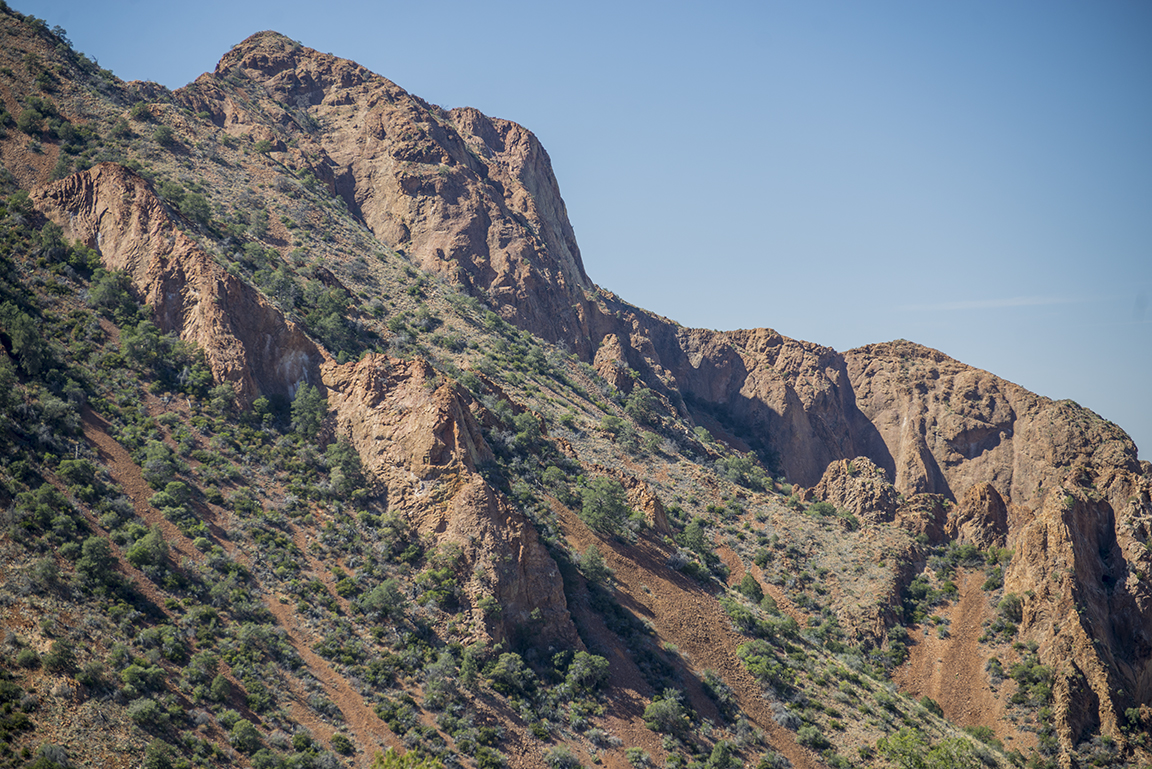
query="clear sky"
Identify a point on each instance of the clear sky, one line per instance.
(973, 176)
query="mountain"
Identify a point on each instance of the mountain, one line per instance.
(319, 441)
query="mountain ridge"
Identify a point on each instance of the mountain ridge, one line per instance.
(468, 246)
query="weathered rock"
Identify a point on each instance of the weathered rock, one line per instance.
(466, 196)
(611, 364)
(421, 442)
(244, 338)
(924, 515)
(859, 486)
(979, 518)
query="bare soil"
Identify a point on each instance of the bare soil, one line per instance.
(951, 670)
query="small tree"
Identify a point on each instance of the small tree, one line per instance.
(604, 506)
(308, 410)
(593, 565)
(751, 588)
(164, 136)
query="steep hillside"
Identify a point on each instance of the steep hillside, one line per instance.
(319, 441)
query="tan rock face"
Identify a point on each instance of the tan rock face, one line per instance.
(859, 486)
(245, 339)
(469, 197)
(610, 362)
(979, 518)
(422, 443)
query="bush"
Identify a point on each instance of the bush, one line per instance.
(511, 675)
(386, 599)
(28, 658)
(932, 706)
(667, 714)
(309, 408)
(810, 736)
(147, 713)
(164, 136)
(244, 736)
(342, 745)
(593, 566)
(1011, 608)
(604, 506)
(751, 588)
(587, 672)
(560, 757)
(60, 658)
(149, 550)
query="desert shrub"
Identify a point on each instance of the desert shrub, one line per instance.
(341, 744)
(641, 404)
(1011, 608)
(28, 659)
(762, 661)
(244, 736)
(932, 706)
(309, 408)
(110, 294)
(593, 566)
(910, 749)
(149, 550)
(587, 672)
(511, 676)
(721, 693)
(96, 567)
(147, 713)
(390, 759)
(666, 714)
(744, 470)
(164, 136)
(158, 755)
(61, 657)
(559, 757)
(751, 588)
(604, 506)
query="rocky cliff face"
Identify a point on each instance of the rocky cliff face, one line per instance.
(895, 433)
(245, 339)
(466, 196)
(422, 444)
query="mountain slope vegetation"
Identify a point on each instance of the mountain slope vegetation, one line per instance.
(320, 448)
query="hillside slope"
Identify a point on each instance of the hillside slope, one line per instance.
(319, 440)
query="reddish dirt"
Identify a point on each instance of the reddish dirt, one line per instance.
(736, 573)
(126, 472)
(687, 615)
(366, 728)
(961, 685)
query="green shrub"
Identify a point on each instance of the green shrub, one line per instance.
(147, 713)
(667, 715)
(342, 745)
(28, 658)
(593, 566)
(244, 736)
(604, 506)
(309, 408)
(511, 676)
(751, 588)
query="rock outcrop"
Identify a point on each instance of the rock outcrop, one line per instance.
(859, 486)
(420, 441)
(244, 338)
(466, 196)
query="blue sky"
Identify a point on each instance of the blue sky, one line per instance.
(975, 176)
